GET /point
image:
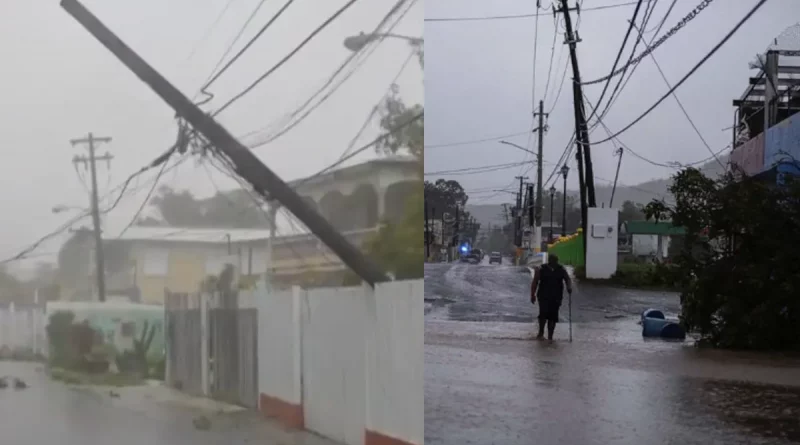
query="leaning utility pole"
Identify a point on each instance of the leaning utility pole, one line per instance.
(616, 176)
(264, 181)
(537, 230)
(99, 259)
(581, 128)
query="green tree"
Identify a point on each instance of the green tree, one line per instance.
(399, 247)
(444, 195)
(631, 211)
(739, 263)
(179, 208)
(394, 114)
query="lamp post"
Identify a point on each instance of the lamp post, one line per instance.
(518, 146)
(357, 43)
(564, 173)
(552, 197)
(62, 208)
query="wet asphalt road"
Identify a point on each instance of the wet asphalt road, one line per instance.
(487, 381)
(49, 412)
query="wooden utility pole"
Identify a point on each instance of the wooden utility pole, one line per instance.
(263, 180)
(537, 230)
(581, 127)
(616, 176)
(518, 214)
(91, 161)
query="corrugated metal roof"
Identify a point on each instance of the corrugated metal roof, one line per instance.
(178, 234)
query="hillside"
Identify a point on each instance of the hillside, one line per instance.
(639, 193)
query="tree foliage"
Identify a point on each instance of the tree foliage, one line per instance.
(444, 195)
(739, 263)
(179, 208)
(395, 114)
(631, 211)
(399, 247)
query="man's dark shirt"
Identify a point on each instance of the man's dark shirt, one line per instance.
(550, 280)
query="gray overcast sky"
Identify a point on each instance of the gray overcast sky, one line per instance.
(479, 77)
(59, 83)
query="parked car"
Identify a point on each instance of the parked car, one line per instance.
(471, 259)
(495, 257)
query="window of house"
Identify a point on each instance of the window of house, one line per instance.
(156, 262)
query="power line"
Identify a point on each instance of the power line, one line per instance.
(210, 29)
(533, 91)
(613, 100)
(616, 61)
(520, 16)
(331, 78)
(123, 188)
(375, 108)
(690, 73)
(247, 46)
(364, 148)
(476, 141)
(476, 170)
(552, 53)
(286, 58)
(683, 109)
(645, 19)
(683, 22)
(560, 86)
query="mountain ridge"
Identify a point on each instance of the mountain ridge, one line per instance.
(642, 193)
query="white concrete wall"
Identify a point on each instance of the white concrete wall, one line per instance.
(334, 393)
(395, 361)
(601, 243)
(23, 329)
(351, 358)
(644, 245)
(279, 338)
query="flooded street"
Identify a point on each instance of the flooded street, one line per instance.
(50, 412)
(488, 382)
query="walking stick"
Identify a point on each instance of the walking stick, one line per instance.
(569, 304)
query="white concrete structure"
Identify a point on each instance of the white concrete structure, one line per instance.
(346, 363)
(601, 243)
(23, 329)
(650, 245)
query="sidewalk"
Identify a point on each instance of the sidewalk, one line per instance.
(156, 401)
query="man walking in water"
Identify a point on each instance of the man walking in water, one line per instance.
(548, 286)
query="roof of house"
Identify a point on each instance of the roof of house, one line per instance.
(183, 234)
(652, 228)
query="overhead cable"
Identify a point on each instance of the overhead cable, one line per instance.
(690, 73)
(286, 58)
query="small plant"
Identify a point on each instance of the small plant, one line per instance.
(135, 360)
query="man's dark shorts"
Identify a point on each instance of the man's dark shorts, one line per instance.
(548, 309)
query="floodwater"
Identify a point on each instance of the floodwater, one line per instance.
(487, 381)
(49, 412)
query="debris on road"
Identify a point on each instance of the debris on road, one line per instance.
(202, 423)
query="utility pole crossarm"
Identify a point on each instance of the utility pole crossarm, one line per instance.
(245, 163)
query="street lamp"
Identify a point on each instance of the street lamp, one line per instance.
(552, 197)
(518, 146)
(62, 208)
(564, 173)
(357, 43)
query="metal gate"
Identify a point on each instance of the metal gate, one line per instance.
(183, 342)
(234, 364)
